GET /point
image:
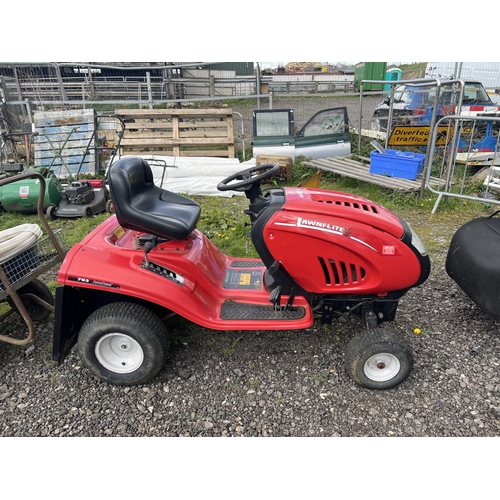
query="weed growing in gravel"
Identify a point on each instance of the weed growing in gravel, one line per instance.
(330, 333)
(231, 350)
(420, 331)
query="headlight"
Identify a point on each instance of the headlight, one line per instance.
(417, 242)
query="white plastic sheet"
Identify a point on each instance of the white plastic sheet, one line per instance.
(196, 175)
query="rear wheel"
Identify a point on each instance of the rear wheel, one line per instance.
(51, 212)
(35, 310)
(378, 359)
(123, 343)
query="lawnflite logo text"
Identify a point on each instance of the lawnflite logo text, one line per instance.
(321, 226)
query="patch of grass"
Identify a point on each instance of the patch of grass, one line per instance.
(224, 222)
(74, 229)
(255, 383)
(52, 284)
(333, 334)
(232, 349)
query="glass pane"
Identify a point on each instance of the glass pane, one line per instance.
(275, 123)
(326, 123)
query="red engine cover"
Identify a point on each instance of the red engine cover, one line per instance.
(336, 243)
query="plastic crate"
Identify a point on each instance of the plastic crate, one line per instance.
(401, 164)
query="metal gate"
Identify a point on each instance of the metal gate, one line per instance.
(468, 163)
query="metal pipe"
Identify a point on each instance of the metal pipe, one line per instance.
(150, 93)
(258, 85)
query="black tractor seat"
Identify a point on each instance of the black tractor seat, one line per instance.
(142, 206)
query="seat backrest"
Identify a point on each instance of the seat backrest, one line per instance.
(142, 206)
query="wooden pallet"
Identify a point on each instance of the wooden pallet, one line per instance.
(360, 170)
(177, 132)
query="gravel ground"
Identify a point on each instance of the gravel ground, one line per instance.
(285, 383)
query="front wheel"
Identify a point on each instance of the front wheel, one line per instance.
(123, 343)
(378, 358)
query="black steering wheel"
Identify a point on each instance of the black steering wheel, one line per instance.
(246, 179)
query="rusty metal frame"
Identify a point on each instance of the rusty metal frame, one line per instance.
(16, 298)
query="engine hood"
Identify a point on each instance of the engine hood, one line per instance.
(347, 206)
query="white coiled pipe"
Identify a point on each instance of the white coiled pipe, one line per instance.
(16, 240)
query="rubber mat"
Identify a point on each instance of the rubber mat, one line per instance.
(242, 311)
(246, 263)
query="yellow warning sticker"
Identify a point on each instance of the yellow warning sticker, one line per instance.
(245, 278)
(407, 135)
(119, 232)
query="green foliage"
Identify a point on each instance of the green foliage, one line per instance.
(224, 222)
(229, 351)
(301, 172)
(74, 229)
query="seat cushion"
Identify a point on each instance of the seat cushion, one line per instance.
(142, 206)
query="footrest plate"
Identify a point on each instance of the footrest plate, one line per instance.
(231, 310)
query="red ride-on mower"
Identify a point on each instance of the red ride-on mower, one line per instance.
(321, 252)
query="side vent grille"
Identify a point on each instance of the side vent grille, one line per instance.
(359, 206)
(341, 273)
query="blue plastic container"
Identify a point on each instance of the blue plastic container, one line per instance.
(401, 164)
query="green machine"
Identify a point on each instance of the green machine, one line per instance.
(22, 196)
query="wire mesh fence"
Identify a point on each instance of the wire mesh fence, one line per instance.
(52, 86)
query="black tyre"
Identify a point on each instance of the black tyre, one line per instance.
(378, 359)
(35, 310)
(87, 212)
(123, 343)
(51, 212)
(109, 207)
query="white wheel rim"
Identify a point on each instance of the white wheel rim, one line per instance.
(382, 367)
(119, 353)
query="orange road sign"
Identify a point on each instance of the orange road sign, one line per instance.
(407, 135)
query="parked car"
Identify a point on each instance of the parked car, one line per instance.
(324, 135)
(413, 104)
